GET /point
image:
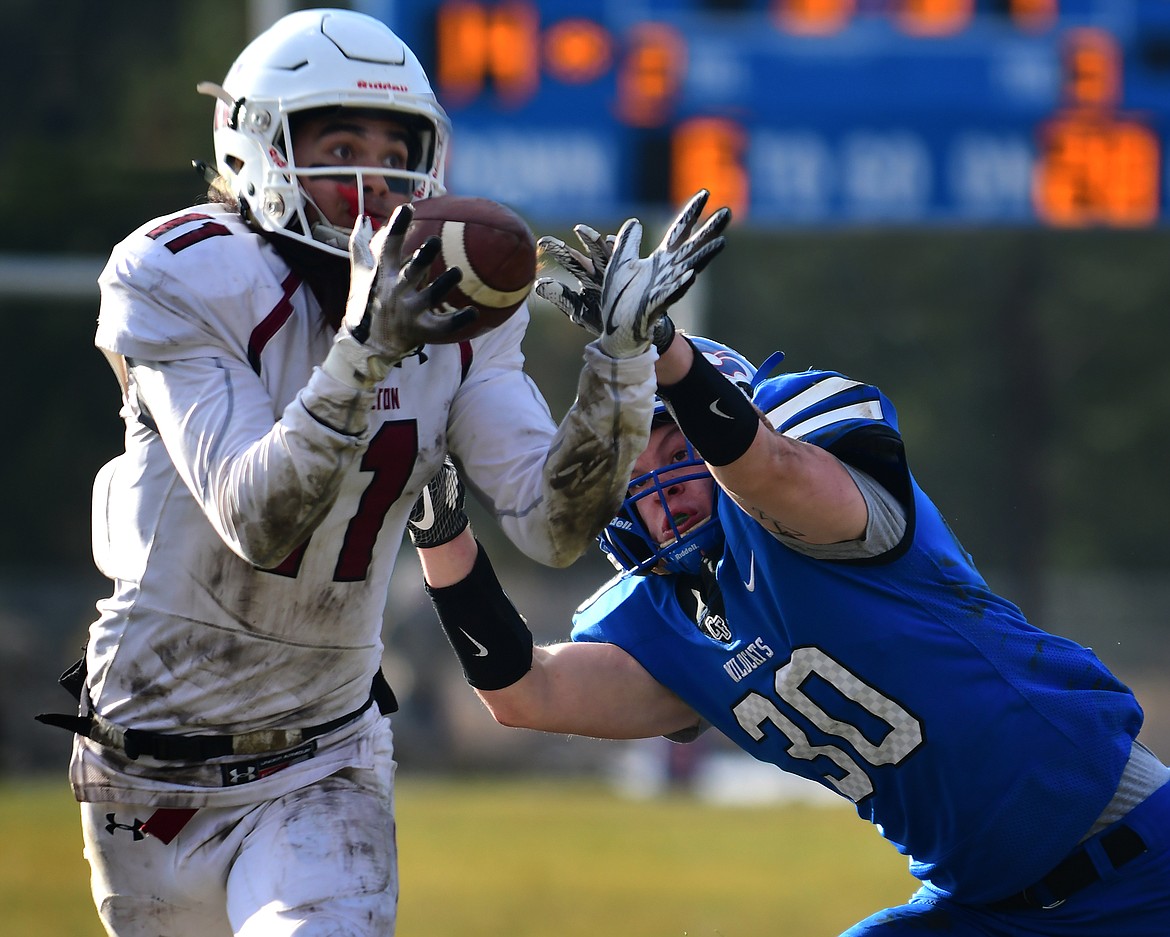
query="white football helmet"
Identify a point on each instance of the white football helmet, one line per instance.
(306, 61)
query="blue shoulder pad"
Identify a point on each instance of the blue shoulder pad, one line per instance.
(821, 407)
(852, 420)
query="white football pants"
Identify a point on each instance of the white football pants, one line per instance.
(320, 860)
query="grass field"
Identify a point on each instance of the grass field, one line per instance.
(519, 858)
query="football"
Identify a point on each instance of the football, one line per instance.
(490, 243)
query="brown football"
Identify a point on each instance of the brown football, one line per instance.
(490, 243)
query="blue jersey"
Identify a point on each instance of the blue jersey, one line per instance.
(979, 745)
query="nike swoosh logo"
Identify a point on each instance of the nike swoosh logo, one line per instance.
(750, 585)
(610, 325)
(427, 521)
(715, 409)
(480, 650)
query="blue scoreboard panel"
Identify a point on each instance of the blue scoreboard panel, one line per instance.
(806, 112)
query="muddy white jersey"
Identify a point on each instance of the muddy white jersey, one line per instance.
(252, 524)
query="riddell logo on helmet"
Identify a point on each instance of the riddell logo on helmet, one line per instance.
(381, 86)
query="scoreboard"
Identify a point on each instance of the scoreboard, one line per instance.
(806, 112)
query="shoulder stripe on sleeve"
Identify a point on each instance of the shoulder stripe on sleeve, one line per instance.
(466, 353)
(807, 397)
(866, 410)
(273, 322)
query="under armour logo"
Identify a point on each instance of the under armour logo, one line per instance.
(134, 828)
(422, 357)
(241, 775)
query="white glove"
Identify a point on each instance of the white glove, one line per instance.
(391, 310)
(621, 298)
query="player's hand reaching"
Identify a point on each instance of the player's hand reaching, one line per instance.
(438, 515)
(623, 298)
(392, 309)
(583, 305)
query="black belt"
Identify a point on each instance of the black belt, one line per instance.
(1120, 845)
(137, 742)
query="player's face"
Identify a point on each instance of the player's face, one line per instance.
(689, 502)
(340, 139)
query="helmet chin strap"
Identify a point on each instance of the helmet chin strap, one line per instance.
(331, 234)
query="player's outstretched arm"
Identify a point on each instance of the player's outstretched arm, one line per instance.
(623, 299)
(790, 487)
(596, 690)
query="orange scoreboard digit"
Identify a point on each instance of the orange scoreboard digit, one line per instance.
(1096, 165)
(806, 112)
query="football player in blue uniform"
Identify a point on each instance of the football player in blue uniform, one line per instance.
(786, 581)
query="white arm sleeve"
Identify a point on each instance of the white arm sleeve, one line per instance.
(551, 488)
(589, 462)
(263, 486)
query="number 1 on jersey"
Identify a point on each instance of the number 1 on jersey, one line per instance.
(390, 457)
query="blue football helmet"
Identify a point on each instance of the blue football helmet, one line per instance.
(625, 540)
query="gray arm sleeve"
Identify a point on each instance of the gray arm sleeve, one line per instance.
(883, 530)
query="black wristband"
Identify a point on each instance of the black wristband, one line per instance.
(490, 638)
(663, 334)
(713, 413)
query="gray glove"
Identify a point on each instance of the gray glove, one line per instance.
(438, 515)
(621, 298)
(583, 306)
(391, 311)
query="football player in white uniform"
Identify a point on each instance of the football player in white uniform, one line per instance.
(289, 389)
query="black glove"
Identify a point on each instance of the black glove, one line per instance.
(393, 306)
(438, 515)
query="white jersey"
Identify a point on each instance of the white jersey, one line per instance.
(251, 543)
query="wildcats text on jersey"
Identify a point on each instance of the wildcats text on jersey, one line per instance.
(747, 660)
